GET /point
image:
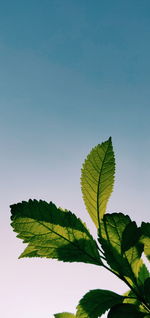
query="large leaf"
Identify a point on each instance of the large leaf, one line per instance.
(126, 263)
(96, 302)
(145, 238)
(53, 233)
(125, 311)
(97, 179)
(64, 315)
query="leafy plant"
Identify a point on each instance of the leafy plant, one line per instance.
(55, 233)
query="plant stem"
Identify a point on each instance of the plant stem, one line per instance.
(139, 297)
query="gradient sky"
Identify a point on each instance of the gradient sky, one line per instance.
(72, 73)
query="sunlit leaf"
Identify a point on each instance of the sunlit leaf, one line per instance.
(143, 274)
(96, 302)
(64, 315)
(130, 298)
(97, 179)
(125, 263)
(145, 238)
(53, 233)
(125, 311)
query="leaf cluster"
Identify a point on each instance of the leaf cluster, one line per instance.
(58, 234)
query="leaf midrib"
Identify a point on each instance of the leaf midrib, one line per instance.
(98, 186)
(75, 245)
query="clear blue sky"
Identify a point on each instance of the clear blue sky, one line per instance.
(72, 73)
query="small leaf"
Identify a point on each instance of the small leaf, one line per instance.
(145, 238)
(143, 274)
(96, 302)
(125, 311)
(130, 298)
(130, 236)
(64, 315)
(127, 264)
(53, 233)
(97, 180)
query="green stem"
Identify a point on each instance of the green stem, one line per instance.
(139, 297)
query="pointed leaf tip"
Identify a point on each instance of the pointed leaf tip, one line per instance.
(97, 179)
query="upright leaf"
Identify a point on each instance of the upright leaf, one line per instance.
(64, 315)
(97, 179)
(53, 233)
(125, 263)
(96, 302)
(125, 311)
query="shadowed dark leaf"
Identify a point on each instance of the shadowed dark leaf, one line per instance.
(147, 289)
(130, 236)
(96, 302)
(125, 311)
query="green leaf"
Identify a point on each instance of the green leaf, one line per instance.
(130, 236)
(96, 302)
(143, 274)
(125, 311)
(53, 233)
(147, 289)
(127, 264)
(97, 179)
(64, 315)
(130, 298)
(145, 238)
